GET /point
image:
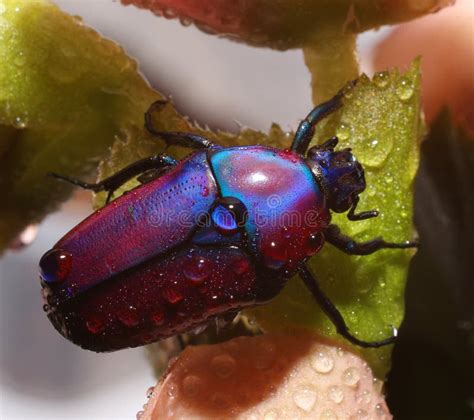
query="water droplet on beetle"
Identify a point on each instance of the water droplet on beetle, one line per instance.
(381, 79)
(45, 308)
(286, 232)
(343, 132)
(128, 317)
(241, 266)
(314, 244)
(404, 89)
(173, 296)
(322, 363)
(95, 324)
(351, 376)
(158, 317)
(223, 365)
(140, 414)
(197, 269)
(336, 394)
(305, 399)
(55, 266)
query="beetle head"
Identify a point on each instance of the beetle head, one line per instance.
(341, 175)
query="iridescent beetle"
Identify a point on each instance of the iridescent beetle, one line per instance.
(217, 232)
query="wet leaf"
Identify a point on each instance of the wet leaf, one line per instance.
(381, 122)
(65, 94)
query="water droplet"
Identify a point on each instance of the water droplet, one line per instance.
(328, 415)
(169, 13)
(340, 352)
(381, 79)
(19, 123)
(343, 132)
(322, 362)
(197, 269)
(348, 90)
(314, 243)
(173, 296)
(336, 394)
(364, 397)
(221, 400)
(185, 21)
(271, 415)
(192, 384)
(223, 365)
(45, 308)
(140, 414)
(158, 317)
(380, 410)
(351, 376)
(404, 89)
(128, 316)
(95, 324)
(241, 266)
(149, 392)
(286, 232)
(20, 59)
(361, 414)
(55, 266)
(378, 151)
(305, 399)
(378, 385)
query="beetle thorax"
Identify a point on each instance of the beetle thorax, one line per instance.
(341, 176)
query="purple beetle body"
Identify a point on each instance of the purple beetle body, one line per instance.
(217, 232)
(144, 267)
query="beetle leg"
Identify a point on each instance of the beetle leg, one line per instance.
(113, 182)
(333, 313)
(305, 131)
(334, 236)
(362, 215)
(193, 141)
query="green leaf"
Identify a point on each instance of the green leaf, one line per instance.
(65, 95)
(380, 121)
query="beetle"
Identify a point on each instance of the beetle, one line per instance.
(204, 237)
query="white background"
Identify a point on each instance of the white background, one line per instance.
(43, 376)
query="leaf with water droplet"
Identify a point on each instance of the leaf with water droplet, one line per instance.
(368, 290)
(65, 95)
